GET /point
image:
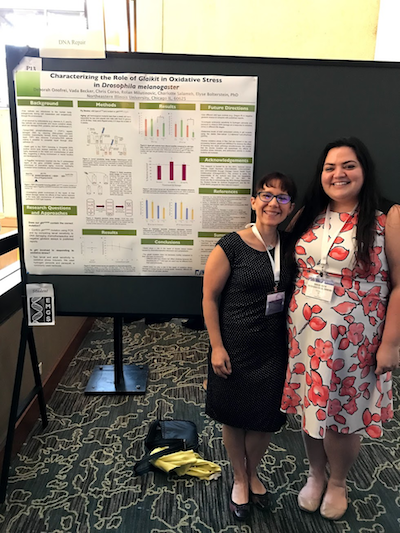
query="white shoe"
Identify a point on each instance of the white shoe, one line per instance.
(307, 501)
(334, 511)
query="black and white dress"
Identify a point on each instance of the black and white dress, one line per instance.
(250, 397)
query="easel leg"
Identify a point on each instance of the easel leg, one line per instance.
(14, 410)
(118, 367)
(38, 379)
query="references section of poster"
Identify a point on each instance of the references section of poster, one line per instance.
(132, 174)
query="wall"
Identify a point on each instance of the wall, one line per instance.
(51, 344)
(6, 165)
(323, 29)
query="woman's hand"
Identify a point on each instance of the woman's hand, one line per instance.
(221, 362)
(387, 358)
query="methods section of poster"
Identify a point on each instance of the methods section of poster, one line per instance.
(132, 174)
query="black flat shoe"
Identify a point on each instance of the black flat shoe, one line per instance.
(261, 501)
(240, 512)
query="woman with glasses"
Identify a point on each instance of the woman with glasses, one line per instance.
(343, 321)
(247, 284)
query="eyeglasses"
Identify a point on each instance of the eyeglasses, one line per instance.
(268, 196)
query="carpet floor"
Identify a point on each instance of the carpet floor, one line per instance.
(76, 475)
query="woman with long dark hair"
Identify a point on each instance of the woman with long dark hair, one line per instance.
(344, 332)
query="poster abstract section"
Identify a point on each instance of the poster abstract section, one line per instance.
(132, 174)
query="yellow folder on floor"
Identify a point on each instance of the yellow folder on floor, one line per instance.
(187, 462)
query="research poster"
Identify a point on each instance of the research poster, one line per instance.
(132, 174)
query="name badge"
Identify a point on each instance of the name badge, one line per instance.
(275, 303)
(320, 288)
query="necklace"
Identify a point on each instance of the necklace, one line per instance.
(268, 246)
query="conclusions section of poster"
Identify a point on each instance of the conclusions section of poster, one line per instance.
(132, 174)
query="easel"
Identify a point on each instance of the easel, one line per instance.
(16, 411)
(109, 379)
(26, 338)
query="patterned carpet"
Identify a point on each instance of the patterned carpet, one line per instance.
(77, 475)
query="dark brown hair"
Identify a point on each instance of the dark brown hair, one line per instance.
(316, 200)
(286, 184)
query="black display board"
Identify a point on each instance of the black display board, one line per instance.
(302, 105)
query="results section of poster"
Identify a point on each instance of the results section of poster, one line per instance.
(132, 174)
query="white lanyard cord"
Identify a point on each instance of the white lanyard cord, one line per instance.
(276, 264)
(327, 243)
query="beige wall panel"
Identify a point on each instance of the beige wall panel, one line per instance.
(340, 29)
(51, 343)
(149, 25)
(7, 165)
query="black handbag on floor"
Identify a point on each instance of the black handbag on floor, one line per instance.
(176, 434)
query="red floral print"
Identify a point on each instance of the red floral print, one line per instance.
(301, 263)
(344, 308)
(366, 355)
(307, 312)
(333, 344)
(299, 368)
(347, 278)
(336, 364)
(347, 387)
(334, 407)
(351, 406)
(344, 344)
(381, 220)
(387, 413)
(314, 363)
(293, 345)
(318, 393)
(290, 399)
(355, 333)
(300, 250)
(317, 323)
(371, 300)
(339, 253)
(339, 291)
(293, 303)
(309, 236)
(353, 295)
(323, 350)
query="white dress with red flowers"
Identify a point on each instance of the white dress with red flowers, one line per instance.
(332, 345)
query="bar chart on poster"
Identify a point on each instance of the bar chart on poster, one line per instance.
(121, 179)
(167, 172)
(178, 211)
(154, 126)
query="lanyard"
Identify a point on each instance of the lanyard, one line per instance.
(327, 243)
(276, 265)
